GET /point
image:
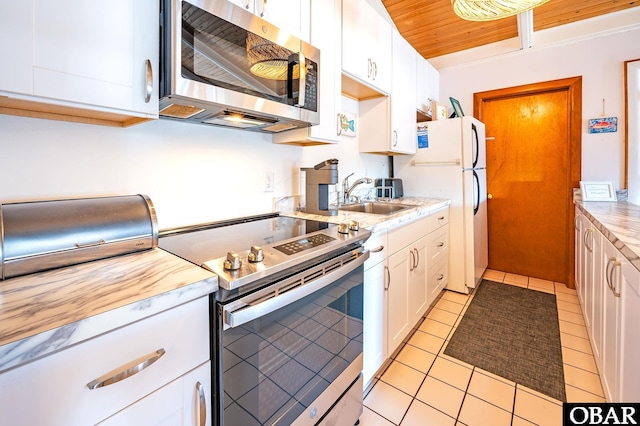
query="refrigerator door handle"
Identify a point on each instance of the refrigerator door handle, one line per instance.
(476, 194)
(476, 144)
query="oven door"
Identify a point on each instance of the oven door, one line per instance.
(292, 349)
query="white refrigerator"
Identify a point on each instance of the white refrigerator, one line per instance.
(450, 162)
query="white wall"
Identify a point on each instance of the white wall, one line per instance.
(192, 173)
(600, 63)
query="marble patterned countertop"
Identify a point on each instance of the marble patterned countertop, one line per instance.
(619, 222)
(45, 312)
(375, 222)
(48, 311)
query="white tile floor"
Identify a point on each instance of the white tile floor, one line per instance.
(422, 386)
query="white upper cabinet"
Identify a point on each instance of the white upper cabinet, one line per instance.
(366, 45)
(283, 14)
(71, 56)
(388, 123)
(249, 5)
(403, 112)
(16, 46)
(427, 85)
(325, 35)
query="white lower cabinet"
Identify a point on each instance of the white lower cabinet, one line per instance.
(610, 372)
(629, 374)
(185, 401)
(418, 297)
(402, 278)
(375, 329)
(397, 295)
(63, 389)
(621, 339)
(609, 293)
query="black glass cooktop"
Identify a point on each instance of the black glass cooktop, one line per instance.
(201, 243)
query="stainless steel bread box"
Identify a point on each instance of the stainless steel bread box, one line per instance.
(40, 235)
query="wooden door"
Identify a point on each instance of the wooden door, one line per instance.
(533, 164)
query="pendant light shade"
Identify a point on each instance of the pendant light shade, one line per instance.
(267, 59)
(489, 10)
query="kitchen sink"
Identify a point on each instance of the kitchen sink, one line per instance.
(375, 207)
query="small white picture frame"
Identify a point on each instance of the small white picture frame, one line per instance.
(598, 191)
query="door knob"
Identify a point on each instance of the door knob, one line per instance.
(489, 196)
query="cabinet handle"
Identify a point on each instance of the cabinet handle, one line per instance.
(127, 370)
(440, 218)
(201, 412)
(611, 266)
(589, 231)
(263, 11)
(149, 85)
(375, 70)
(377, 249)
(575, 222)
(417, 257)
(440, 277)
(413, 261)
(246, 4)
(369, 67)
(441, 244)
(395, 138)
(607, 275)
(388, 283)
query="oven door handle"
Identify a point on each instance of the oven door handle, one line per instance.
(249, 312)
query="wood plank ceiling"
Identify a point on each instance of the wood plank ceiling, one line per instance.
(433, 29)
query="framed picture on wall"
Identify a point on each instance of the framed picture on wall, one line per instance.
(598, 191)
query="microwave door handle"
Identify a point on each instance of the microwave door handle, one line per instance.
(297, 59)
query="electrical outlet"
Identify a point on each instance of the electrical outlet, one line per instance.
(268, 182)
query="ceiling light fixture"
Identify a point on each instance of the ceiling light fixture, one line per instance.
(489, 10)
(267, 59)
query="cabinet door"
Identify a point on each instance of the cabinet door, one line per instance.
(355, 60)
(96, 54)
(579, 255)
(55, 390)
(629, 373)
(587, 273)
(427, 85)
(291, 16)
(610, 326)
(245, 4)
(403, 113)
(325, 35)
(379, 37)
(16, 46)
(598, 288)
(366, 44)
(418, 297)
(186, 401)
(375, 339)
(398, 312)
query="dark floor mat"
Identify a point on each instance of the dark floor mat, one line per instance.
(513, 332)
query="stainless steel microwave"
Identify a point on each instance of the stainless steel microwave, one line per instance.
(222, 65)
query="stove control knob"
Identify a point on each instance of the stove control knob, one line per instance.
(233, 262)
(354, 225)
(255, 254)
(343, 228)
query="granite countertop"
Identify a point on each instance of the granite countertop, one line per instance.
(375, 222)
(44, 312)
(619, 222)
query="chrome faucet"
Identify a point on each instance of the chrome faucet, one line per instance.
(346, 189)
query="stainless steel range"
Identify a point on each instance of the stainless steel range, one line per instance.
(287, 322)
